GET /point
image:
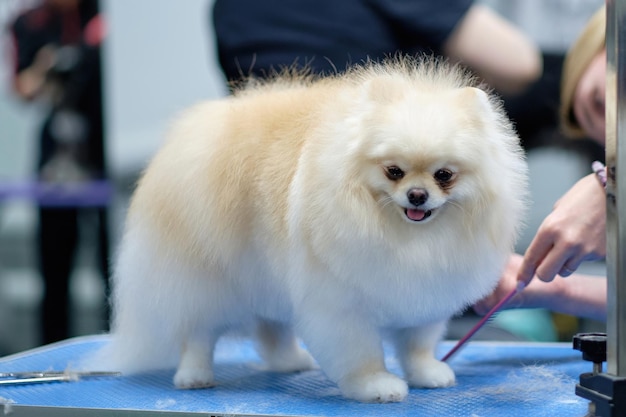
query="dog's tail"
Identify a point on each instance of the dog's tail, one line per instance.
(147, 312)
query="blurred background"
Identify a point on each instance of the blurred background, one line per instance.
(158, 58)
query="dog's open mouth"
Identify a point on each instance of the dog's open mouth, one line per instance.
(416, 215)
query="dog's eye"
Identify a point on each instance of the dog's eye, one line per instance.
(394, 173)
(443, 175)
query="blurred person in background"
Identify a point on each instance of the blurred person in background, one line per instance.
(575, 230)
(584, 83)
(260, 38)
(57, 61)
(554, 25)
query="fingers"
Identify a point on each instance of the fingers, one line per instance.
(550, 254)
(565, 271)
(548, 262)
(506, 284)
(566, 237)
(482, 307)
(534, 256)
(571, 265)
(486, 304)
(556, 262)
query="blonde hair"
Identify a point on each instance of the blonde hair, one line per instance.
(590, 42)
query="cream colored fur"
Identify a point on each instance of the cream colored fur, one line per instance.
(273, 209)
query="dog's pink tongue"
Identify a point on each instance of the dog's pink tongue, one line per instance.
(416, 215)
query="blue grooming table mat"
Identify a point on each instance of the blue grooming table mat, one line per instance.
(493, 379)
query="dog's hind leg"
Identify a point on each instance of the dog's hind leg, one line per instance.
(209, 311)
(195, 369)
(280, 349)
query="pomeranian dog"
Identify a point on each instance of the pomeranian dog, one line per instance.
(338, 210)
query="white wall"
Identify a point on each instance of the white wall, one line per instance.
(160, 58)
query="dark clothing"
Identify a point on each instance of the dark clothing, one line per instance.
(71, 148)
(58, 239)
(259, 37)
(254, 37)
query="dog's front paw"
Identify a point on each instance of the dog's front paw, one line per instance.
(189, 378)
(431, 374)
(380, 387)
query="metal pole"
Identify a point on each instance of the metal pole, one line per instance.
(616, 186)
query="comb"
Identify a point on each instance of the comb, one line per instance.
(520, 286)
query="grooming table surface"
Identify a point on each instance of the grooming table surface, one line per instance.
(493, 379)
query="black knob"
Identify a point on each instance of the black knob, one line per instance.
(592, 345)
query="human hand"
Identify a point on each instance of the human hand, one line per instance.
(508, 282)
(44, 59)
(30, 82)
(580, 295)
(574, 232)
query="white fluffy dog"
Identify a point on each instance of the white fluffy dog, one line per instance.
(384, 200)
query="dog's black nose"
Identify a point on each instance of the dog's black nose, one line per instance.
(417, 196)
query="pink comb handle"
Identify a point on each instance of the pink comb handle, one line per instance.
(481, 323)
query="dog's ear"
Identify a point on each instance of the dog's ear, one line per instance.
(385, 89)
(475, 98)
(477, 106)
